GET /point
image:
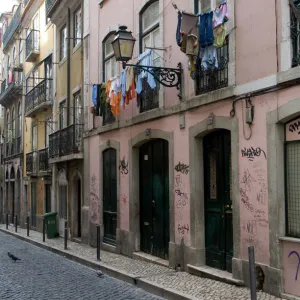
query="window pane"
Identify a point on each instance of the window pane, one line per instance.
(108, 46)
(107, 69)
(293, 188)
(155, 43)
(77, 21)
(114, 67)
(150, 16)
(146, 42)
(206, 5)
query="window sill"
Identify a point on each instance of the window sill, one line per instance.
(77, 47)
(62, 62)
(289, 239)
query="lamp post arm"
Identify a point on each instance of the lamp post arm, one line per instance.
(168, 77)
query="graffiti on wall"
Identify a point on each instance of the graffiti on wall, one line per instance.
(251, 153)
(182, 168)
(253, 198)
(181, 197)
(295, 127)
(298, 265)
(94, 197)
(123, 167)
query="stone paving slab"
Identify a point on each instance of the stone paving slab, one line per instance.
(156, 279)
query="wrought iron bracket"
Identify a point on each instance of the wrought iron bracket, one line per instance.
(168, 77)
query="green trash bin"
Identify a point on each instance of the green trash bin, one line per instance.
(51, 227)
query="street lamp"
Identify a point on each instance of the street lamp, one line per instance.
(123, 45)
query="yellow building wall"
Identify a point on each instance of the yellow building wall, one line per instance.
(46, 48)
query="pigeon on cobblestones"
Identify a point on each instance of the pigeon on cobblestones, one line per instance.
(13, 257)
(99, 273)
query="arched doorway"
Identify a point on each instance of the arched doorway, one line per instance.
(77, 204)
(63, 200)
(218, 199)
(6, 203)
(17, 198)
(1, 204)
(12, 193)
(154, 198)
(110, 196)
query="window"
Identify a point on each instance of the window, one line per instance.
(48, 130)
(34, 143)
(292, 184)
(150, 37)
(14, 56)
(62, 114)
(295, 37)
(78, 119)
(110, 63)
(77, 27)
(63, 42)
(35, 79)
(206, 6)
(20, 52)
(19, 124)
(150, 31)
(13, 123)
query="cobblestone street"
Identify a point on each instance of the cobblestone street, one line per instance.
(43, 275)
(70, 278)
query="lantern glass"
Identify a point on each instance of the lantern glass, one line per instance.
(123, 45)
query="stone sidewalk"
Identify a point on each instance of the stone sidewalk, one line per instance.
(153, 278)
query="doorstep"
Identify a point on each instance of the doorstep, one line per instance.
(212, 273)
(289, 297)
(150, 258)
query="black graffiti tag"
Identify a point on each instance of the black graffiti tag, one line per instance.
(182, 168)
(123, 166)
(251, 153)
(295, 127)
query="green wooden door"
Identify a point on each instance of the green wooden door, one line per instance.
(110, 196)
(154, 198)
(218, 203)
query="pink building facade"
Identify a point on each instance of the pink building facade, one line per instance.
(195, 181)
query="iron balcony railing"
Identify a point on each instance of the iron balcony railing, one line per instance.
(108, 117)
(31, 162)
(12, 27)
(149, 98)
(13, 147)
(32, 42)
(50, 5)
(215, 78)
(39, 94)
(66, 141)
(12, 89)
(44, 160)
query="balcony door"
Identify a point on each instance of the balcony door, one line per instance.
(36, 28)
(34, 146)
(48, 76)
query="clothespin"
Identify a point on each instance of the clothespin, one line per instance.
(176, 8)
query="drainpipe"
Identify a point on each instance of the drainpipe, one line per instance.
(68, 66)
(54, 78)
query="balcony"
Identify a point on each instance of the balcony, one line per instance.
(13, 148)
(51, 6)
(39, 98)
(67, 141)
(43, 155)
(14, 25)
(37, 162)
(11, 90)
(214, 79)
(149, 98)
(32, 46)
(108, 117)
(31, 163)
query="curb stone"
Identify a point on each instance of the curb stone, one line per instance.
(140, 282)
